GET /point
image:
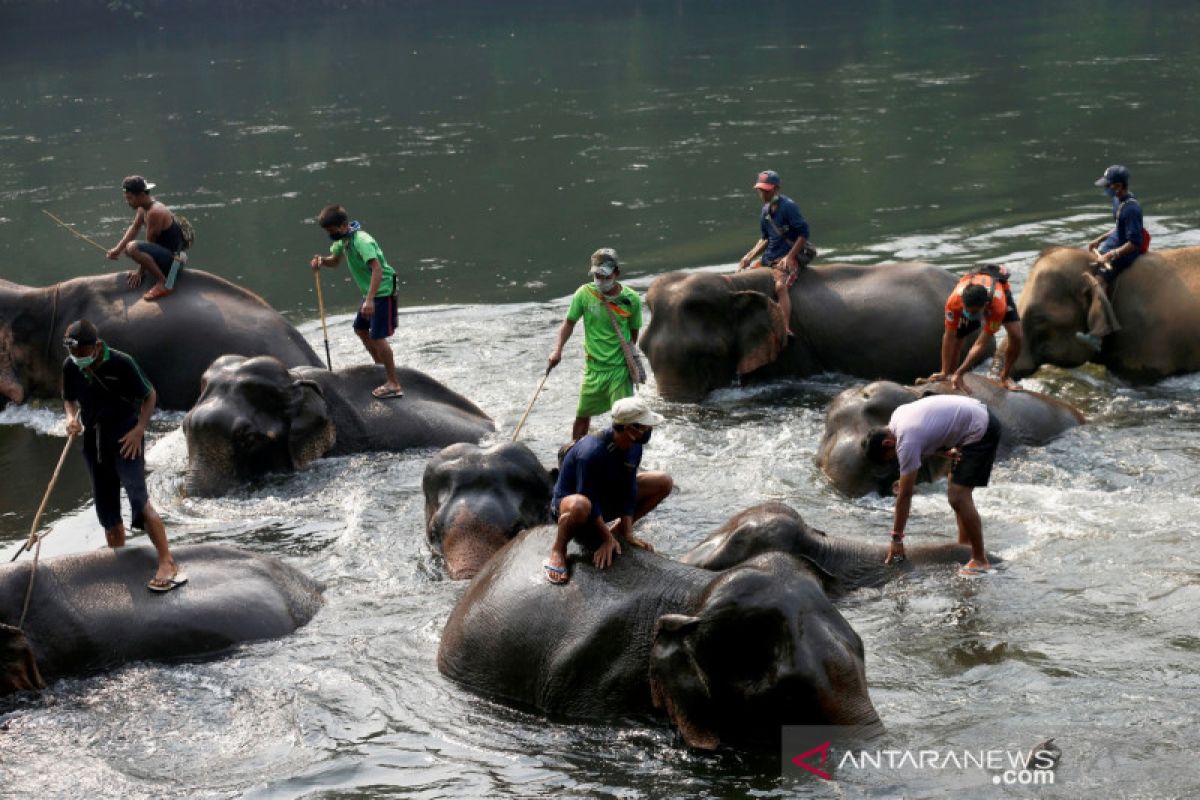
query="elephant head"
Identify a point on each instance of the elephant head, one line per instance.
(1057, 302)
(476, 499)
(30, 353)
(763, 648)
(253, 417)
(18, 668)
(764, 528)
(706, 329)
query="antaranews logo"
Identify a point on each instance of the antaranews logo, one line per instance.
(839, 753)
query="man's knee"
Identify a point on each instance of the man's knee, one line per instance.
(574, 510)
(132, 250)
(960, 497)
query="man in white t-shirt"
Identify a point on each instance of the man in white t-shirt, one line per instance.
(960, 427)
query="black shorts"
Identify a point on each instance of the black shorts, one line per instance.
(383, 322)
(110, 473)
(1010, 313)
(974, 466)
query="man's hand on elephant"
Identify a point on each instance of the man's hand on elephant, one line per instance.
(74, 426)
(604, 553)
(958, 383)
(744, 263)
(131, 443)
(789, 263)
(134, 278)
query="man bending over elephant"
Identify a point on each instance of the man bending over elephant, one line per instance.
(612, 317)
(107, 397)
(378, 316)
(159, 255)
(784, 243)
(599, 493)
(978, 302)
(961, 427)
(1117, 249)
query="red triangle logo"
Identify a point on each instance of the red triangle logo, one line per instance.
(823, 749)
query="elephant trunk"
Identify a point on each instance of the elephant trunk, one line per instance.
(18, 668)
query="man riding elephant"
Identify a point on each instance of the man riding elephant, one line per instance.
(255, 416)
(981, 301)
(784, 243)
(1156, 306)
(173, 340)
(706, 329)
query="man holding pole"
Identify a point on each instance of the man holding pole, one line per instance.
(378, 315)
(109, 400)
(159, 255)
(612, 317)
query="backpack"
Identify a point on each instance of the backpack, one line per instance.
(186, 231)
(1145, 233)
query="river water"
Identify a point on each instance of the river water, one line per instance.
(491, 148)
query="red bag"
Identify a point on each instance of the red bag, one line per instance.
(1145, 240)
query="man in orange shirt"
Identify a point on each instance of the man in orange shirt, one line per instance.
(981, 300)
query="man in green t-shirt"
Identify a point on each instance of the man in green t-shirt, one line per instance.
(606, 377)
(378, 316)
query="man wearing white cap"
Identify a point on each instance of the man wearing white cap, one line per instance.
(164, 239)
(600, 495)
(612, 317)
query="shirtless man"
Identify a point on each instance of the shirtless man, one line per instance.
(160, 251)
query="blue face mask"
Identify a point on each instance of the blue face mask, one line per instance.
(83, 362)
(972, 316)
(645, 437)
(1108, 190)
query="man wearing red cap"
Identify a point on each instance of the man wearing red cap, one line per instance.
(784, 243)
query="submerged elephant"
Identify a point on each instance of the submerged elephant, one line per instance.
(1156, 301)
(1028, 418)
(173, 340)
(476, 499)
(882, 321)
(254, 416)
(91, 611)
(729, 656)
(844, 565)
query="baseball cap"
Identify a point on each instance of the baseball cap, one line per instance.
(604, 262)
(767, 179)
(634, 411)
(80, 332)
(1114, 174)
(136, 184)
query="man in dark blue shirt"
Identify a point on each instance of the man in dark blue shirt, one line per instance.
(599, 493)
(783, 246)
(109, 400)
(1117, 249)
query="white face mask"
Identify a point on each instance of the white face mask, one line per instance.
(605, 284)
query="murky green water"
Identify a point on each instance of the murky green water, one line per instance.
(491, 147)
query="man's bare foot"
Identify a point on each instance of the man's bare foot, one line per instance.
(639, 542)
(134, 278)
(974, 568)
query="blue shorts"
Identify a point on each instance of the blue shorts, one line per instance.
(383, 322)
(110, 472)
(163, 258)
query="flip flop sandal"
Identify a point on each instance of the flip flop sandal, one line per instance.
(173, 582)
(552, 571)
(157, 293)
(387, 394)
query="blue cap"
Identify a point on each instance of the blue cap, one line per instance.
(1114, 174)
(767, 179)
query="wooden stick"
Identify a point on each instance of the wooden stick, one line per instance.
(33, 537)
(92, 242)
(324, 329)
(531, 401)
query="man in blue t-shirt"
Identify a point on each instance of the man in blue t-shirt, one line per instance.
(1117, 249)
(783, 246)
(599, 493)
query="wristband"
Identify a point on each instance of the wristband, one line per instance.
(897, 537)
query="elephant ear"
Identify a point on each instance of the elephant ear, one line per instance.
(677, 682)
(311, 433)
(760, 328)
(18, 668)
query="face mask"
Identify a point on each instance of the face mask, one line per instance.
(83, 362)
(1108, 190)
(972, 316)
(337, 237)
(605, 284)
(645, 439)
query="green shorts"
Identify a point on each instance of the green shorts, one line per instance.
(601, 387)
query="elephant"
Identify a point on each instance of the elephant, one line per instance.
(254, 416)
(729, 656)
(1156, 301)
(882, 321)
(173, 340)
(476, 499)
(91, 611)
(844, 565)
(1028, 418)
